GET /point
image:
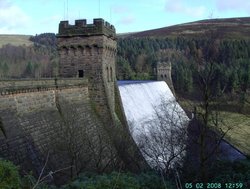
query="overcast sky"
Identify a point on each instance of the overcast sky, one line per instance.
(41, 16)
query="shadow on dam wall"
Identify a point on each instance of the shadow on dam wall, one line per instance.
(34, 125)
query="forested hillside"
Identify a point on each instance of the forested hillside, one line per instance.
(138, 54)
(211, 76)
(22, 61)
(222, 41)
(137, 58)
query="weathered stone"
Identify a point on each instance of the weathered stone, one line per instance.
(84, 51)
(37, 114)
(164, 73)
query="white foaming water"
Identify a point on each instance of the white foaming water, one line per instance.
(139, 99)
(141, 102)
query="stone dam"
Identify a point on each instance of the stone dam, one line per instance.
(78, 120)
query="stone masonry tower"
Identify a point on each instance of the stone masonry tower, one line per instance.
(164, 73)
(89, 51)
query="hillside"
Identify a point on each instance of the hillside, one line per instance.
(218, 67)
(226, 28)
(188, 45)
(15, 40)
(23, 56)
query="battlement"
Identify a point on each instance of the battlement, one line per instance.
(163, 64)
(81, 28)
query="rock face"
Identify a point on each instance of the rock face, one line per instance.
(77, 119)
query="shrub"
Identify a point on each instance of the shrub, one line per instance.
(9, 177)
(151, 180)
(105, 181)
(226, 171)
(118, 181)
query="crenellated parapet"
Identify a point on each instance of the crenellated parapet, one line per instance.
(81, 28)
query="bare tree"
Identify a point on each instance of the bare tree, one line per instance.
(208, 121)
(207, 118)
(162, 139)
(85, 145)
(44, 177)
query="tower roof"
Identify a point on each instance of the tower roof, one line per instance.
(81, 28)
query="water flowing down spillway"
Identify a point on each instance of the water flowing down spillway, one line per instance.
(157, 123)
(141, 98)
(153, 116)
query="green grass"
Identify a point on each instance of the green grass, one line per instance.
(239, 135)
(15, 40)
(239, 124)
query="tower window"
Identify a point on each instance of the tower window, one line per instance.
(80, 73)
(111, 74)
(107, 69)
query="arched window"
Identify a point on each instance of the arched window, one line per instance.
(107, 70)
(165, 76)
(111, 74)
(161, 76)
(65, 50)
(80, 49)
(88, 50)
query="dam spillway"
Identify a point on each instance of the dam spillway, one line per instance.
(147, 104)
(141, 99)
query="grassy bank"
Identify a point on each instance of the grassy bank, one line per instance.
(239, 124)
(239, 135)
(15, 40)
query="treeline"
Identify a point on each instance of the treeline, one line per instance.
(45, 39)
(35, 61)
(137, 58)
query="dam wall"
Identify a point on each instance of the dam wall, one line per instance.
(76, 120)
(43, 116)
